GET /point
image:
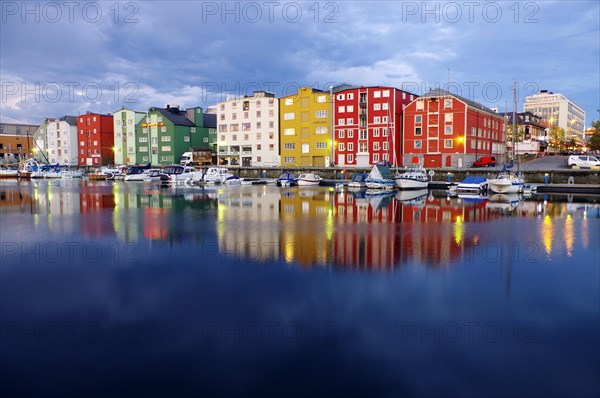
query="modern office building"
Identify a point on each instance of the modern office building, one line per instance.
(560, 111)
(248, 130)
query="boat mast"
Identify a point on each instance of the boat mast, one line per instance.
(514, 119)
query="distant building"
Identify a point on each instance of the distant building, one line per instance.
(531, 135)
(368, 124)
(248, 130)
(95, 139)
(125, 122)
(16, 142)
(305, 125)
(558, 110)
(442, 129)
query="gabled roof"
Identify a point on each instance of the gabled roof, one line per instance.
(438, 92)
(72, 120)
(175, 116)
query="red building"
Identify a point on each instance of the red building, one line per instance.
(445, 130)
(95, 134)
(368, 124)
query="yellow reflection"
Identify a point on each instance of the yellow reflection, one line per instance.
(568, 235)
(547, 232)
(459, 230)
(585, 238)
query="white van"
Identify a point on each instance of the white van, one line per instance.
(582, 161)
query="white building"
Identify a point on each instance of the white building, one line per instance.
(125, 149)
(558, 110)
(248, 130)
(61, 140)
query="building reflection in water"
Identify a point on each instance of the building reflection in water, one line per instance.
(305, 226)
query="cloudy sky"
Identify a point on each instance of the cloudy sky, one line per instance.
(66, 58)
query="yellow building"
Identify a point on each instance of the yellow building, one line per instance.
(305, 128)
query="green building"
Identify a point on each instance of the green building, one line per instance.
(164, 134)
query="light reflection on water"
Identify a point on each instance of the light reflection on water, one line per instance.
(214, 284)
(307, 226)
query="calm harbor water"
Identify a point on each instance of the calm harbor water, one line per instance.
(128, 289)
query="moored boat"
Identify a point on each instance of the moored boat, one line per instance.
(358, 181)
(472, 184)
(179, 174)
(413, 178)
(380, 177)
(308, 180)
(506, 182)
(286, 179)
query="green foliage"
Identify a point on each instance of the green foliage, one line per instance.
(557, 136)
(594, 142)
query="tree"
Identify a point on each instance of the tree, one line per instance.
(594, 142)
(557, 137)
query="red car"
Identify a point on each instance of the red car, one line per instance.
(485, 161)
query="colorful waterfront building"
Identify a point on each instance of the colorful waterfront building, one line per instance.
(96, 139)
(125, 122)
(368, 124)
(248, 130)
(61, 141)
(16, 142)
(305, 128)
(442, 129)
(164, 134)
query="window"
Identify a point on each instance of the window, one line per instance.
(448, 117)
(166, 138)
(341, 147)
(289, 159)
(350, 96)
(185, 139)
(362, 135)
(350, 121)
(375, 157)
(289, 131)
(234, 137)
(420, 105)
(385, 132)
(418, 144)
(350, 133)
(258, 125)
(322, 98)
(289, 101)
(289, 146)
(377, 94)
(246, 126)
(418, 119)
(321, 114)
(233, 127)
(321, 130)
(222, 128)
(192, 129)
(375, 132)
(448, 130)
(163, 129)
(341, 122)
(258, 147)
(349, 158)
(81, 143)
(376, 107)
(350, 146)
(448, 103)
(258, 136)
(340, 97)
(385, 106)
(289, 116)
(385, 146)
(143, 149)
(259, 114)
(204, 139)
(376, 146)
(341, 133)
(350, 108)
(362, 147)
(321, 145)
(418, 131)
(341, 109)
(384, 119)
(386, 93)
(234, 116)
(447, 143)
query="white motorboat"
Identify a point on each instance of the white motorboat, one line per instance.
(155, 175)
(308, 180)
(414, 178)
(472, 184)
(215, 175)
(9, 173)
(506, 182)
(179, 174)
(137, 173)
(72, 173)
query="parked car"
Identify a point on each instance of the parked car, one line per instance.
(485, 161)
(582, 161)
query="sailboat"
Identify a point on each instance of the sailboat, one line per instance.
(508, 181)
